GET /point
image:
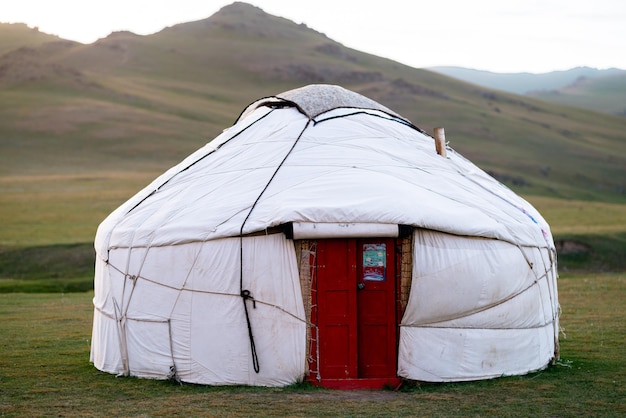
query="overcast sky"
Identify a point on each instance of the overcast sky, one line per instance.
(495, 35)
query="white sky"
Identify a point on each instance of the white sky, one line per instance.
(496, 35)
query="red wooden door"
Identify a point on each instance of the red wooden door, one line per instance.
(356, 319)
(336, 308)
(376, 308)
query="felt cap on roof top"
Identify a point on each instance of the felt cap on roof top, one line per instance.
(315, 99)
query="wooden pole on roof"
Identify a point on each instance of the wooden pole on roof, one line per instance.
(440, 141)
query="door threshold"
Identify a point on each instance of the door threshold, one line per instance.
(374, 383)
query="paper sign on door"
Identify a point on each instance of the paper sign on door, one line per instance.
(374, 262)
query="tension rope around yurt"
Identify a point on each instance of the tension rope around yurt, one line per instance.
(324, 237)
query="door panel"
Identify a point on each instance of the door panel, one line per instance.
(356, 308)
(336, 268)
(376, 320)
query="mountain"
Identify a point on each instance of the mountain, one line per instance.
(605, 93)
(522, 83)
(584, 87)
(129, 105)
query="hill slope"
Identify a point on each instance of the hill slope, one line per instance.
(575, 87)
(604, 94)
(138, 104)
(16, 35)
(522, 83)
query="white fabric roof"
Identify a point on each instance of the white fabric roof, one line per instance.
(278, 165)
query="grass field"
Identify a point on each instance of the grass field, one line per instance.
(45, 371)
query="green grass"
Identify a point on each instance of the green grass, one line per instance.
(45, 371)
(599, 227)
(605, 253)
(57, 268)
(581, 217)
(62, 209)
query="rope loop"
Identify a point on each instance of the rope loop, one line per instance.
(245, 294)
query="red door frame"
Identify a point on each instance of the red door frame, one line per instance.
(341, 358)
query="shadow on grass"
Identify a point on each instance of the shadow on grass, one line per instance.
(592, 252)
(70, 267)
(50, 268)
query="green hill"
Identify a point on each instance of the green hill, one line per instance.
(584, 87)
(603, 94)
(83, 127)
(17, 35)
(522, 83)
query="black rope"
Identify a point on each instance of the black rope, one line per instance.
(245, 294)
(392, 118)
(194, 163)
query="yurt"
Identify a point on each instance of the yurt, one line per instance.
(324, 237)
